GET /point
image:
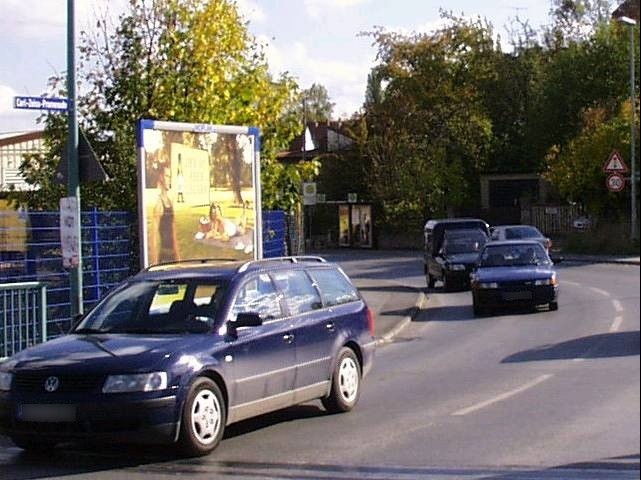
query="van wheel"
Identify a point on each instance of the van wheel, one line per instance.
(554, 306)
(203, 418)
(346, 383)
(430, 280)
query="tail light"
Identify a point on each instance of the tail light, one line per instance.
(370, 322)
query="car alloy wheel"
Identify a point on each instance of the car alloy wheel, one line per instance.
(204, 418)
(346, 383)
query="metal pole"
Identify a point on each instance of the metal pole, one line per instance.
(633, 170)
(73, 188)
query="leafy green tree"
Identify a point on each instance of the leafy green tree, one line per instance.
(315, 104)
(428, 134)
(577, 170)
(177, 60)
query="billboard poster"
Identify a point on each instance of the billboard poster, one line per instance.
(198, 192)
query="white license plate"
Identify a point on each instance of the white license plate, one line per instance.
(517, 295)
(47, 413)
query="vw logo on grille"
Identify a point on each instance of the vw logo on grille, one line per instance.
(52, 384)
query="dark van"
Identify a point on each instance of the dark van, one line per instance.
(433, 232)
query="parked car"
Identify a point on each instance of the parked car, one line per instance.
(434, 231)
(458, 256)
(511, 273)
(518, 232)
(181, 350)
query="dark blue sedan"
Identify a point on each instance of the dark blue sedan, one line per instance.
(514, 273)
(181, 350)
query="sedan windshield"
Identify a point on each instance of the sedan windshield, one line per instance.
(183, 306)
(514, 255)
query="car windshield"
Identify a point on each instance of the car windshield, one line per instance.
(185, 306)
(514, 255)
(463, 243)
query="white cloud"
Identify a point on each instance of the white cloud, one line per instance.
(251, 11)
(11, 119)
(345, 81)
(315, 8)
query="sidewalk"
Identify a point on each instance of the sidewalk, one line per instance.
(575, 257)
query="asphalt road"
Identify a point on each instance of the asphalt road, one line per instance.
(519, 395)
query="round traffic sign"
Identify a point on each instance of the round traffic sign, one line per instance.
(615, 182)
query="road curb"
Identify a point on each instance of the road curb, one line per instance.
(407, 319)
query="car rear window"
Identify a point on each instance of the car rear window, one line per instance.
(334, 286)
(521, 232)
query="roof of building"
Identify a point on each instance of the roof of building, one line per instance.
(318, 138)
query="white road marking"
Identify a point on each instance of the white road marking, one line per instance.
(600, 292)
(503, 396)
(568, 282)
(616, 324)
(617, 305)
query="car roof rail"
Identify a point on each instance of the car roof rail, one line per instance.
(193, 261)
(290, 259)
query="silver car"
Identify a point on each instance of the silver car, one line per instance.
(520, 232)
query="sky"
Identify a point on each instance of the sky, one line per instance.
(315, 41)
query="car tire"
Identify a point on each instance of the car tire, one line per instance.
(478, 310)
(34, 444)
(346, 383)
(429, 279)
(554, 306)
(447, 285)
(204, 416)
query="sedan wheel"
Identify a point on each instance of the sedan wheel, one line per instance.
(346, 383)
(203, 420)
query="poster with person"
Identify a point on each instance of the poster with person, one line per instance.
(199, 192)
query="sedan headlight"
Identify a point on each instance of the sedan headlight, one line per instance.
(457, 267)
(487, 285)
(546, 281)
(5, 381)
(144, 382)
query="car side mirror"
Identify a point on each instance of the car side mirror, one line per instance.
(243, 319)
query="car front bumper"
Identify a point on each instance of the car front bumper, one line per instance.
(517, 296)
(153, 420)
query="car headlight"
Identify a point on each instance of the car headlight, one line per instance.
(5, 381)
(546, 281)
(143, 382)
(457, 267)
(487, 285)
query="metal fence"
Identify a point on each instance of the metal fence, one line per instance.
(23, 317)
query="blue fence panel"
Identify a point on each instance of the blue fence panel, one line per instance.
(274, 231)
(107, 252)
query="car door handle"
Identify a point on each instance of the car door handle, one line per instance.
(288, 337)
(330, 326)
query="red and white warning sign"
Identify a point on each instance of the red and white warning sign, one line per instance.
(615, 163)
(615, 182)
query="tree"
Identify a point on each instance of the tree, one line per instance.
(316, 104)
(427, 131)
(177, 60)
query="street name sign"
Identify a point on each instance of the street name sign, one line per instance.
(615, 163)
(615, 182)
(41, 103)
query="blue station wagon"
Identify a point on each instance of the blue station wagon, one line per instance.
(181, 350)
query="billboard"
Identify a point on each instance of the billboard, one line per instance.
(198, 192)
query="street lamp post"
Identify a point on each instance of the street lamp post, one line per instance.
(631, 23)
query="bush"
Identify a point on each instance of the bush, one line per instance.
(603, 239)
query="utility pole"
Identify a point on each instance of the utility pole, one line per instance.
(73, 183)
(631, 23)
